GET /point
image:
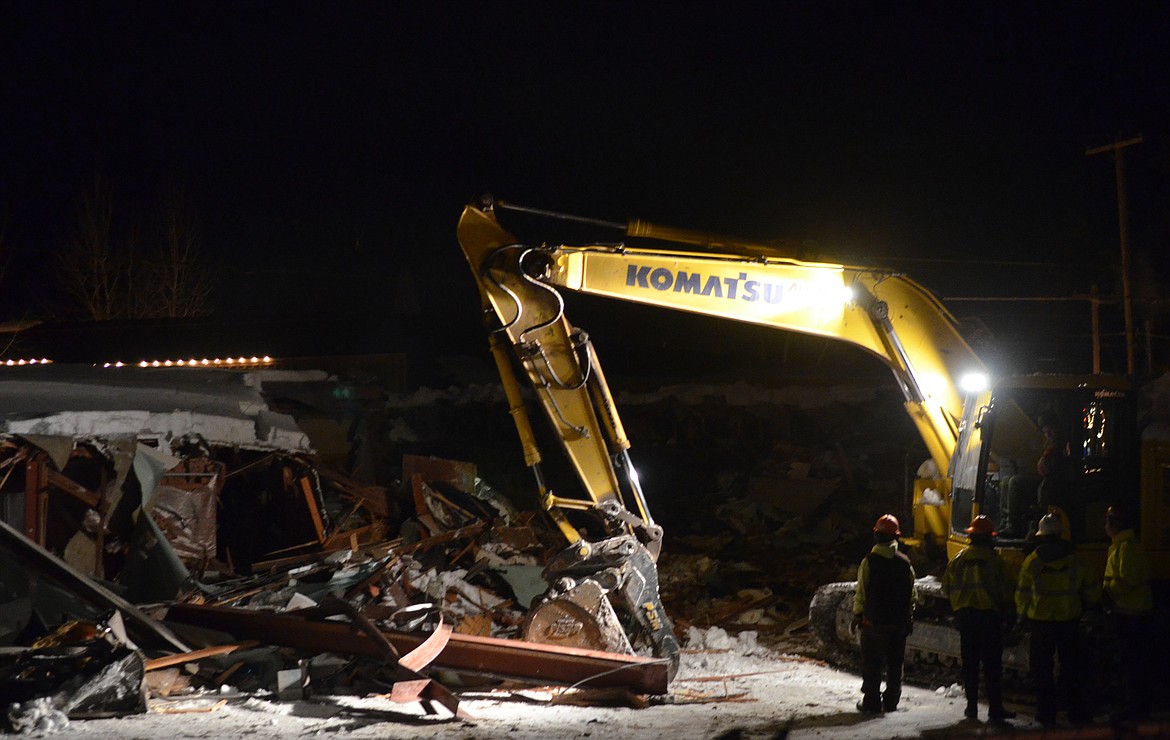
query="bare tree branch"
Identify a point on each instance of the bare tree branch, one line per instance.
(180, 282)
(92, 271)
(164, 276)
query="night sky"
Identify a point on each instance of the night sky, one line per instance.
(328, 149)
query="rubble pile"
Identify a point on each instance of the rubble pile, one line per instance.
(449, 591)
(142, 571)
(764, 493)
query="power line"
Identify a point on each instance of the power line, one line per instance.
(1038, 298)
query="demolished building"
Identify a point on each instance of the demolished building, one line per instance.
(171, 517)
(244, 523)
(85, 448)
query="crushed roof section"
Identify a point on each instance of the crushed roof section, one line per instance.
(225, 407)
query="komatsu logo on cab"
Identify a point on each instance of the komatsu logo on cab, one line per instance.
(714, 286)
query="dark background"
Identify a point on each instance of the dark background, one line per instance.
(329, 149)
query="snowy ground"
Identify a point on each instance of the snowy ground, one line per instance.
(741, 691)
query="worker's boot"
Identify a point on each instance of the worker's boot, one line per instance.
(997, 713)
(972, 694)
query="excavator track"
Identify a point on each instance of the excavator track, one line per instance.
(932, 650)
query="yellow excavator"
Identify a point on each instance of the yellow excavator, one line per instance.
(983, 438)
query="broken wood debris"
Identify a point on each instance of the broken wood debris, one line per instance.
(219, 509)
(189, 707)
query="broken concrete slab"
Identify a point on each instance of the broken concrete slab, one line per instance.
(79, 401)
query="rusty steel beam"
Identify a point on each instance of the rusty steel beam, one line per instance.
(530, 662)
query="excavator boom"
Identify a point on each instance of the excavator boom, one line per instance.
(882, 312)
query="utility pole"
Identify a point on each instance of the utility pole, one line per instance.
(1118, 149)
(1095, 309)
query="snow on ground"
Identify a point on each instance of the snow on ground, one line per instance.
(726, 687)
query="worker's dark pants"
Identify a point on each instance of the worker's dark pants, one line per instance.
(1132, 635)
(883, 648)
(981, 643)
(1052, 641)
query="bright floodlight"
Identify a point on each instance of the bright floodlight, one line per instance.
(973, 382)
(637, 479)
(832, 297)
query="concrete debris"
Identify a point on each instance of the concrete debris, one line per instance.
(953, 691)
(716, 638)
(163, 404)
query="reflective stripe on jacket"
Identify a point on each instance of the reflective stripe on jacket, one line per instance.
(978, 578)
(1054, 586)
(1127, 575)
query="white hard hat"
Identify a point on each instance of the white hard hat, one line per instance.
(1049, 525)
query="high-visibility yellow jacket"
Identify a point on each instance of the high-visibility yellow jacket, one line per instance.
(978, 578)
(1054, 586)
(1127, 575)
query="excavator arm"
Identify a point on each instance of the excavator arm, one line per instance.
(535, 346)
(882, 312)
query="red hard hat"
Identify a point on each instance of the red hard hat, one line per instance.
(1119, 516)
(887, 524)
(981, 525)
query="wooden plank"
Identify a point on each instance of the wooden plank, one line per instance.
(209, 652)
(74, 489)
(311, 502)
(32, 499)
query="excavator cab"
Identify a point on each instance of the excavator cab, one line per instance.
(1044, 444)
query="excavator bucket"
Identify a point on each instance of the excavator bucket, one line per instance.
(592, 583)
(582, 618)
